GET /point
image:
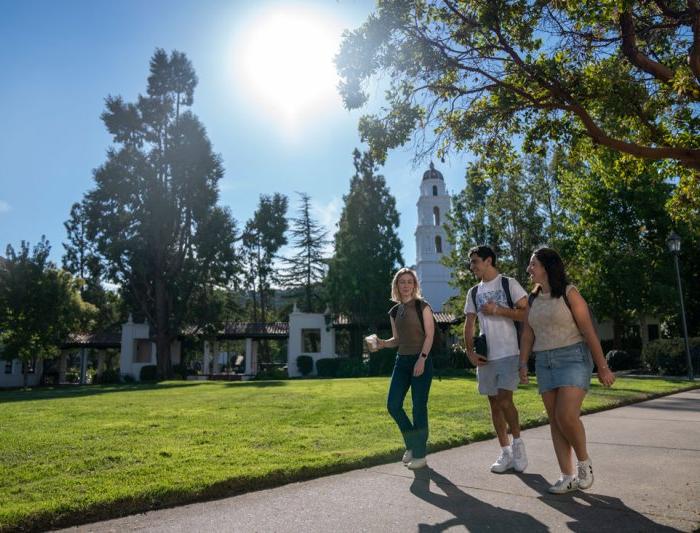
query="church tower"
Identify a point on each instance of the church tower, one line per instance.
(431, 240)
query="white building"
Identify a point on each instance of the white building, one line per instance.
(431, 240)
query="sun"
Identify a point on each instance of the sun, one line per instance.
(284, 61)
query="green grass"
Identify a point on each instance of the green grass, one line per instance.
(73, 455)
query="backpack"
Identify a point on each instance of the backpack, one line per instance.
(505, 283)
(420, 305)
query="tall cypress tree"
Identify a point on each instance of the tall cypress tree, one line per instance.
(367, 249)
(306, 269)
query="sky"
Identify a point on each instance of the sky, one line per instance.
(266, 96)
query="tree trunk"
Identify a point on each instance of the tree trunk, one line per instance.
(617, 334)
(643, 330)
(163, 336)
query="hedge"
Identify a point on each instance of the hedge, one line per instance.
(667, 357)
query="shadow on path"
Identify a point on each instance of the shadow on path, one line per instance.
(592, 512)
(468, 511)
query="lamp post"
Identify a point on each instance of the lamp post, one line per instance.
(674, 245)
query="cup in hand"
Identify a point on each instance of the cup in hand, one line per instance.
(372, 342)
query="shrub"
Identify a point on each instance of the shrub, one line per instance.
(72, 377)
(623, 360)
(381, 363)
(108, 375)
(272, 373)
(305, 364)
(351, 367)
(180, 371)
(327, 367)
(667, 356)
(148, 373)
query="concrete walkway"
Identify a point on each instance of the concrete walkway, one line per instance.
(647, 466)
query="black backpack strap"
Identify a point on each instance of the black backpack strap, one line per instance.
(534, 294)
(505, 283)
(393, 311)
(473, 292)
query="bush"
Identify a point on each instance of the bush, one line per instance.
(381, 363)
(305, 364)
(327, 367)
(272, 373)
(667, 357)
(108, 375)
(72, 377)
(623, 360)
(148, 373)
(351, 367)
(180, 371)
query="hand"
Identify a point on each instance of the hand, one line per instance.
(524, 378)
(419, 367)
(476, 359)
(489, 308)
(606, 377)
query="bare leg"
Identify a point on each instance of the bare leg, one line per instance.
(568, 415)
(562, 448)
(499, 421)
(509, 411)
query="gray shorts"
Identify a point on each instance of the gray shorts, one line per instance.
(498, 374)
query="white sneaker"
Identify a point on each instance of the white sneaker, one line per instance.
(407, 457)
(418, 463)
(564, 485)
(503, 463)
(519, 456)
(585, 473)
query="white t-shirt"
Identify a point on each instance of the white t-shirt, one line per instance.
(501, 336)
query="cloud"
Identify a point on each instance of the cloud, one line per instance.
(4, 207)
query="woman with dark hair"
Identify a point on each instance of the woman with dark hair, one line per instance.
(559, 330)
(413, 335)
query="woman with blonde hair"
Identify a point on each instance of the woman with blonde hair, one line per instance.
(559, 330)
(413, 328)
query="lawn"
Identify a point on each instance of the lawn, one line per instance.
(73, 455)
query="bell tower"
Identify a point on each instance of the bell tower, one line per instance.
(431, 239)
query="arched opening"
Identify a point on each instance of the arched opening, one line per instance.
(436, 215)
(434, 190)
(438, 244)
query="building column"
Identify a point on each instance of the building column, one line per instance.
(205, 359)
(215, 354)
(83, 366)
(251, 357)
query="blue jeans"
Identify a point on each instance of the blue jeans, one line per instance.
(415, 434)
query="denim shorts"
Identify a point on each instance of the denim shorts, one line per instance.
(568, 366)
(498, 374)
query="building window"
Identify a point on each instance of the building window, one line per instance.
(8, 367)
(438, 244)
(434, 190)
(436, 215)
(310, 340)
(29, 366)
(142, 353)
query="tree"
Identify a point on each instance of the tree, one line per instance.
(500, 206)
(625, 75)
(367, 249)
(618, 225)
(307, 268)
(263, 236)
(39, 305)
(83, 261)
(153, 212)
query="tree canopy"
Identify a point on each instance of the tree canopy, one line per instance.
(624, 74)
(153, 213)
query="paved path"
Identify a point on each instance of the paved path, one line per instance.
(647, 465)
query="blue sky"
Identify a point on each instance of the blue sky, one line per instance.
(59, 60)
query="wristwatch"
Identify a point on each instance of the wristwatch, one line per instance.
(423, 355)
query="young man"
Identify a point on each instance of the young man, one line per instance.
(498, 302)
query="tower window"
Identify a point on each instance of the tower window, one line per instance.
(434, 190)
(438, 244)
(436, 215)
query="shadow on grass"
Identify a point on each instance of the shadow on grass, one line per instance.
(592, 512)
